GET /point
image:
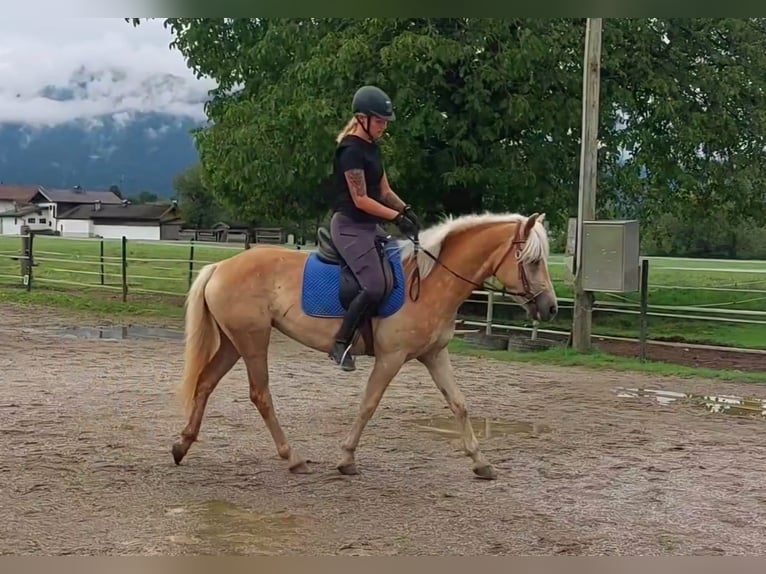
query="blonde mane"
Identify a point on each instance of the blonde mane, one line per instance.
(432, 238)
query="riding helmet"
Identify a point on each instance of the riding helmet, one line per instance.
(371, 100)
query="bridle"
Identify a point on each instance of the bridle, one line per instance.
(528, 295)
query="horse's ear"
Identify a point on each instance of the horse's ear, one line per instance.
(530, 223)
(541, 218)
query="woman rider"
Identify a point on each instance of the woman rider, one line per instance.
(362, 198)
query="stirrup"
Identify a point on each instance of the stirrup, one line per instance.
(346, 360)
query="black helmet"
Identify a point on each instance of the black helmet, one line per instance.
(371, 100)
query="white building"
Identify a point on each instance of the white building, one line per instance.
(16, 209)
(143, 221)
(38, 207)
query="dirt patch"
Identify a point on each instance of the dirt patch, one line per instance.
(691, 356)
(86, 427)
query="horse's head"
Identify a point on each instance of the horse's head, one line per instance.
(521, 265)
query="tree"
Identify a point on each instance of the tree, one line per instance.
(488, 111)
(692, 92)
(143, 196)
(198, 206)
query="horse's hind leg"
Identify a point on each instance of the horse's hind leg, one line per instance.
(256, 360)
(438, 365)
(224, 359)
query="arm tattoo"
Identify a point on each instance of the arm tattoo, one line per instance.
(392, 200)
(356, 182)
(388, 196)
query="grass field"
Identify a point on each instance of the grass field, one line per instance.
(685, 288)
(69, 274)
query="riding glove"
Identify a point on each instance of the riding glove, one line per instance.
(410, 214)
(406, 225)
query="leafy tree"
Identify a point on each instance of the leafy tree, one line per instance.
(489, 111)
(197, 204)
(693, 94)
(143, 196)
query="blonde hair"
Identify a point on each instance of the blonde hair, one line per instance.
(350, 127)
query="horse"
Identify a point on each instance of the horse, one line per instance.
(233, 305)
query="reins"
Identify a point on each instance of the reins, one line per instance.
(527, 294)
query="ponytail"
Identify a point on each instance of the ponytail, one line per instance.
(350, 127)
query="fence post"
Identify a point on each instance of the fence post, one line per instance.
(31, 258)
(101, 257)
(191, 261)
(644, 305)
(27, 258)
(490, 312)
(124, 268)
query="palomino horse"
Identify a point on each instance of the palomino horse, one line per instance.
(233, 305)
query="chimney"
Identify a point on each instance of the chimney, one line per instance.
(97, 205)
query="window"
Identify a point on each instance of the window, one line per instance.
(42, 220)
(31, 220)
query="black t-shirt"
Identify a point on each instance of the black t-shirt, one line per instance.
(356, 153)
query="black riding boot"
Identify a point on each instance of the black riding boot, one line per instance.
(352, 320)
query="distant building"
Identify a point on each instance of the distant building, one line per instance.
(144, 221)
(39, 207)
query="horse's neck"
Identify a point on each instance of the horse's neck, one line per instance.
(468, 256)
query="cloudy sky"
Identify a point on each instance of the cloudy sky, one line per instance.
(61, 55)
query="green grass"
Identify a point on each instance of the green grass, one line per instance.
(69, 275)
(676, 282)
(152, 268)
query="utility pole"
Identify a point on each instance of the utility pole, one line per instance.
(586, 208)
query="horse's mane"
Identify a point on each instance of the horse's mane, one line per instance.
(432, 238)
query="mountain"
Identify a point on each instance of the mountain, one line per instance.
(144, 152)
(134, 133)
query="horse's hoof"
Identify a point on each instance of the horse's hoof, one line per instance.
(178, 453)
(485, 471)
(300, 468)
(348, 469)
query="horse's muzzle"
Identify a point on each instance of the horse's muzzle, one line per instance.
(543, 307)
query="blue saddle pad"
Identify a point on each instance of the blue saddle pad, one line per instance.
(321, 288)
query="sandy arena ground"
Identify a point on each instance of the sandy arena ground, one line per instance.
(86, 428)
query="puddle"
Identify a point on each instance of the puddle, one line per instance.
(482, 427)
(225, 528)
(727, 404)
(118, 332)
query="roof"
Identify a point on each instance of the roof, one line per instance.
(140, 212)
(18, 193)
(79, 195)
(23, 210)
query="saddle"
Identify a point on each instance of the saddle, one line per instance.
(349, 286)
(329, 285)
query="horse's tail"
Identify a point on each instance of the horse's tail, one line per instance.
(201, 334)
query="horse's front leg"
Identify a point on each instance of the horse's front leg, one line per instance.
(383, 371)
(438, 364)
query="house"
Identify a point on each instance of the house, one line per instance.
(60, 201)
(16, 209)
(149, 221)
(12, 196)
(38, 207)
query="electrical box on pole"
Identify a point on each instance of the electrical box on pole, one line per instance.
(611, 259)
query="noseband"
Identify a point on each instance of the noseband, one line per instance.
(516, 240)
